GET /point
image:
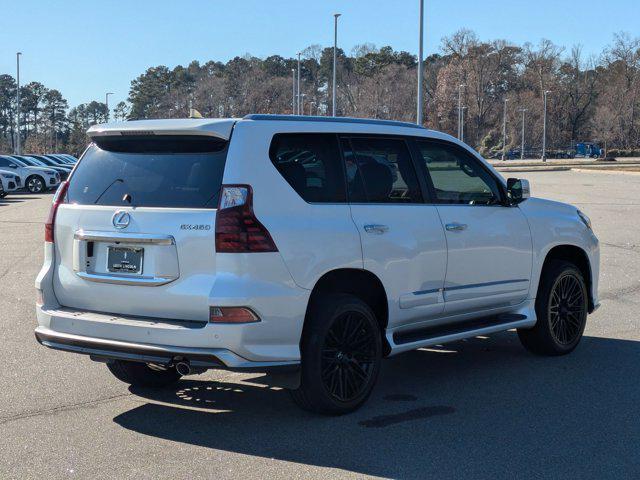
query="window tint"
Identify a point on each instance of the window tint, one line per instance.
(379, 170)
(4, 162)
(457, 177)
(155, 179)
(310, 163)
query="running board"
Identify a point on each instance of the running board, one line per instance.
(434, 335)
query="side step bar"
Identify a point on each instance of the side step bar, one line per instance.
(433, 335)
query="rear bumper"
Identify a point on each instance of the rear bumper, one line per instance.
(106, 349)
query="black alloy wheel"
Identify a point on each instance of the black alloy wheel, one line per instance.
(341, 351)
(561, 307)
(348, 356)
(567, 307)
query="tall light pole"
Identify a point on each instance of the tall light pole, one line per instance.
(504, 130)
(420, 63)
(298, 96)
(18, 152)
(335, 62)
(302, 95)
(106, 102)
(523, 110)
(462, 123)
(293, 87)
(460, 87)
(544, 127)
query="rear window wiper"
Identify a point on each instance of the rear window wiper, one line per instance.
(108, 187)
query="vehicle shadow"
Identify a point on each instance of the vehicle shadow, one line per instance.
(477, 408)
(19, 197)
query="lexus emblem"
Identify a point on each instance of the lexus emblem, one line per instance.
(121, 219)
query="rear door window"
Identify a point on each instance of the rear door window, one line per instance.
(310, 163)
(380, 170)
(160, 171)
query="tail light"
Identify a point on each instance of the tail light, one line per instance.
(58, 198)
(237, 228)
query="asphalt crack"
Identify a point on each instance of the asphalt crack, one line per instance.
(61, 408)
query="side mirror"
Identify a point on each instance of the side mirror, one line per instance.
(13, 165)
(518, 190)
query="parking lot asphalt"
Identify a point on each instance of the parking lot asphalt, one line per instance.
(483, 408)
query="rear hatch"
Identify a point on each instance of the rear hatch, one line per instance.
(135, 235)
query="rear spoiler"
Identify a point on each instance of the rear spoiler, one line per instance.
(219, 128)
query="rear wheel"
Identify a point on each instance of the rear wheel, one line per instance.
(143, 375)
(35, 184)
(561, 308)
(341, 352)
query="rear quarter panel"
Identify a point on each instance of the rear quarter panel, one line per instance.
(312, 238)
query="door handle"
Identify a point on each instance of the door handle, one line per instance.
(376, 229)
(455, 227)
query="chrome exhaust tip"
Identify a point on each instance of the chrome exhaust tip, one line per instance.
(183, 368)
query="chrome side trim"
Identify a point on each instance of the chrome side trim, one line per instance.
(486, 284)
(142, 238)
(121, 280)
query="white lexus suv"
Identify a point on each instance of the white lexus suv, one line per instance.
(307, 247)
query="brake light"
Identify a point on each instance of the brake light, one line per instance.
(237, 228)
(58, 199)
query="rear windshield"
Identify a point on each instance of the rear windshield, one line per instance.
(167, 171)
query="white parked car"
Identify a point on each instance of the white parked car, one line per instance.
(36, 179)
(10, 182)
(310, 246)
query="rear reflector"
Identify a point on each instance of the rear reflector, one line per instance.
(237, 228)
(39, 298)
(58, 198)
(232, 315)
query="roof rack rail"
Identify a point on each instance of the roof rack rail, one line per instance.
(310, 118)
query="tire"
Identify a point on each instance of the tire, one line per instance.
(141, 375)
(35, 184)
(561, 308)
(341, 339)
(3, 194)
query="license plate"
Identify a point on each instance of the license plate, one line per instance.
(125, 260)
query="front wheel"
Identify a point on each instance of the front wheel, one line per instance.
(35, 184)
(341, 353)
(143, 375)
(561, 308)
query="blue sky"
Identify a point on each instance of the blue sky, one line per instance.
(85, 49)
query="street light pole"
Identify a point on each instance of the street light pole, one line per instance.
(298, 97)
(544, 127)
(18, 150)
(523, 110)
(302, 95)
(106, 102)
(462, 124)
(293, 87)
(420, 64)
(460, 87)
(335, 62)
(504, 130)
